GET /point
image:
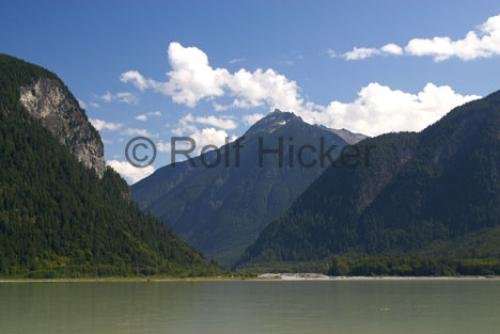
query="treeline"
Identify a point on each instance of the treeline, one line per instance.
(412, 266)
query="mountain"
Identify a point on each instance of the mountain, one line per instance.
(221, 210)
(62, 213)
(435, 193)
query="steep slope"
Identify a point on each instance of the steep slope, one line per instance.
(61, 212)
(437, 186)
(221, 210)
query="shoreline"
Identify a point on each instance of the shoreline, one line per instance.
(274, 278)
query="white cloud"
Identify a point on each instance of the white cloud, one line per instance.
(360, 53)
(252, 118)
(363, 53)
(392, 49)
(100, 124)
(263, 87)
(376, 110)
(209, 136)
(224, 123)
(142, 117)
(220, 107)
(131, 173)
(136, 132)
(192, 79)
(380, 109)
(142, 83)
(123, 97)
(187, 122)
(202, 137)
(136, 78)
(185, 125)
(145, 117)
(482, 42)
(163, 147)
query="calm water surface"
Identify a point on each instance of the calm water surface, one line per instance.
(251, 307)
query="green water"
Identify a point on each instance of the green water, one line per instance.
(251, 307)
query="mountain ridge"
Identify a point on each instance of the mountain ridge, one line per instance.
(439, 184)
(221, 210)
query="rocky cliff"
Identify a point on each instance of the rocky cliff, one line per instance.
(47, 100)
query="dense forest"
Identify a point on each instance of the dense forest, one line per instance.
(412, 266)
(58, 218)
(438, 189)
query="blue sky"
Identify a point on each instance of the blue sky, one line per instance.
(91, 45)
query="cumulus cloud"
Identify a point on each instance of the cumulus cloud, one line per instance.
(100, 125)
(131, 173)
(482, 42)
(136, 79)
(224, 123)
(193, 79)
(377, 109)
(190, 80)
(380, 109)
(263, 87)
(251, 119)
(141, 83)
(123, 97)
(187, 127)
(392, 49)
(209, 136)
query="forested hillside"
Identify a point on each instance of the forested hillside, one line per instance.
(438, 189)
(59, 217)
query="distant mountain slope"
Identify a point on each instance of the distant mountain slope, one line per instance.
(61, 212)
(437, 186)
(221, 210)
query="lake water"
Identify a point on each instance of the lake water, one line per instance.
(251, 307)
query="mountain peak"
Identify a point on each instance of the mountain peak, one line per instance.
(274, 120)
(278, 118)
